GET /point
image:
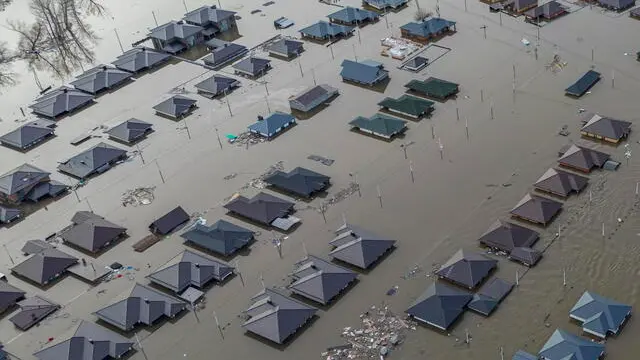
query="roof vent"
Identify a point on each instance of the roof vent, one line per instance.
(90, 341)
(260, 118)
(65, 90)
(146, 300)
(180, 22)
(196, 265)
(104, 67)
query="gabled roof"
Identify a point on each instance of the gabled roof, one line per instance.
(408, 104)
(428, 28)
(139, 58)
(50, 188)
(275, 316)
(525, 255)
(129, 131)
(60, 101)
(583, 158)
(359, 247)
(143, 305)
(169, 221)
(285, 47)
(323, 29)
(263, 208)
(547, 10)
(89, 342)
(440, 305)
(599, 315)
(379, 124)
(506, 236)
(217, 84)
(350, 14)
(252, 65)
(299, 181)
(20, 178)
(433, 87)
(175, 106)
(522, 355)
(32, 311)
(362, 72)
(224, 53)
(9, 294)
(35, 246)
(560, 182)
(583, 84)
(92, 160)
(312, 95)
(93, 233)
(605, 127)
(320, 280)
(222, 237)
(190, 269)
(26, 135)
(44, 266)
(272, 124)
(174, 30)
(100, 78)
(467, 268)
(8, 214)
(207, 15)
(565, 346)
(536, 209)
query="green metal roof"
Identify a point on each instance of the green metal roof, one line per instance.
(433, 87)
(379, 124)
(408, 105)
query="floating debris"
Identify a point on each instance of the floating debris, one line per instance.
(321, 159)
(556, 64)
(230, 176)
(258, 182)
(413, 272)
(247, 139)
(138, 196)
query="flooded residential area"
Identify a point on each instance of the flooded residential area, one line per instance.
(431, 179)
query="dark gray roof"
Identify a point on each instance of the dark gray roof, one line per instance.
(583, 158)
(506, 236)
(311, 95)
(222, 237)
(89, 342)
(171, 220)
(225, 53)
(565, 346)
(599, 315)
(323, 29)
(175, 106)
(552, 8)
(440, 305)
(207, 15)
(285, 47)
(275, 316)
(93, 234)
(100, 78)
(263, 208)
(217, 84)
(92, 160)
(320, 280)
(44, 266)
(9, 295)
(428, 28)
(139, 58)
(190, 269)
(35, 247)
(536, 209)
(605, 127)
(467, 268)
(252, 65)
(143, 305)
(362, 72)
(416, 63)
(299, 181)
(32, 311)
(350, 14)
(482, 304)
(60, 101)
(8, 214)
(522, 355)
(583, 84)
(174, 30)
(26, 136)
(359, 247)
(129, 131)
(525, 255)
(50, 188)
(560, 183)
(496, 289)
(21, 178)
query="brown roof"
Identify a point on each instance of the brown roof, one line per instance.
(536, 209)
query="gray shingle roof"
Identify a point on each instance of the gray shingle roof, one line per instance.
(381, 4)
(565, 346)
(428, 28)
(547, 10)
(222, 237)
(143, 305)
(323, 29)
(92, 160)
(467, 268)
(362, 72)
(89, 342)
(605, 127)
(190, 269)
(129, 131)
(32, 311)
(273, 124)
(525, 255)
(60, 101)
(263, 208)
(536, 209)
(170, 221)
(8, 214)
(140, 58)
(490, 295)
(217, 84)
(416, 63)
(44, 266)
(93, 234)
(252, 65)
(175, 106)
(560, 182)
(35, 247)
(174, 30)
(583, 158)
(506, 236)
(359, 247)
(26, 136)
(439, 306)
(225, 53)
(275, 316)
(21, 178)
(320, 280)
(9, 295)
(522, 355)
(100, 78)
(285, 47)
(350, 14)
(599, 316)
(313, 95)
(50, 188)
(207, 15)
(299, 181)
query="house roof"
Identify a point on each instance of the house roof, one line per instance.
(8, 214)
(285, 47)
(522, 355)
(174, 30)
(350, 14)
(26, 135)
(506, 236)
(583, 84)
(32, 311)
(89, 342)
(129, 131)
(482, 304)
(565, 346)
(490, 295)
(467, 268)
(546, 10)
(440, 305)
(217, 84)
(190, 269)
(428, 28)
(605, 127)
(35, 246)
(416, 62)
(143, 305)
(275, 316)
(171, 220)
(272, 124)
(359, 247)
(207, 15)
(100, 78)
(224, 53)
(536, 208)
(91, 160)
(379, 124)
(21, 178)
(583, 158)
(320, 280)
(50, 188)
(385, 3)
(299, 181)
(93, 233)
(139, 58)
(252, 65)
(434, 87)
(408, 104)
(525, 255)
(175, 106)
(9, 295)
(599, 315)
(222, 237)
(560, 182)
(59, 101)
(263, 208)
(44, 266)
(362, 72)
(323, 29)
(311, 95)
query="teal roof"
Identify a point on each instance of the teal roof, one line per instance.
(381, 125)
(566, 346)
(599, 315)
(431, 27)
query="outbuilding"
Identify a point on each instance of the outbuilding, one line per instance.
(312, 97)
(170, 221)
(583, 84)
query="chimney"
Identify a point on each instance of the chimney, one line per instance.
(90, 341)
(65, 90)
(104, 67)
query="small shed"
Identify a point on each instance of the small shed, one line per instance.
(379, 125)
(583, 84)
(416, 63)
(273, 124)
(434, 88)
(170, 221)
(487, 299)
(407, 105)
(312, 97)
(8, 215)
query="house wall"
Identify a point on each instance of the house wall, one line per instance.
(227, 24)
(617, 4)
(598, 137)
(524, 5)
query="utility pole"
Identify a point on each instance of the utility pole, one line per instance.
(355, 56)
(517, 278)
(413, 180)
(226, 97)
(484, 28)
(465, 5)
(218, 136)
(331, 49)
(500, 14)
(433, 131)
(492, 117)
(379, 195)
(457, 114)
(300, 66)
(466, 126)
(266, 88)
(323, 210)
(154, 17)
(215, 317)
(613, 78)
(268, 107)
(8, 254)
(441, 147)
(386, 21)
(355, 180)
(313, 74)
(359, 39)
(481, 95)
(140, 153)
(564, 277)
(185, 6)
(514, 78)
(186, 126)
(119, 42)
(592, 55)
(140, 346)
(239, 272)
(159, 171)
(88, 204)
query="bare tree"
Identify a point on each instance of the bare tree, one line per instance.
(4, 4)
(422, 14)
(7, 77)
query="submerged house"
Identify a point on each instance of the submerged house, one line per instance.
(433, 88)
(45, 266)
(320, 280)
(176, 36)
(600, 316)
(299, 181)
(272, 125)
(546, 11)
(366, 72)
(583, 84)
(169, 221)
(223, 53)
(8, 215)
(216, 85)
(383, 4)
(17, 184)
(60, 101)
(467, 269)
(560, 183)
(536, 209)
(190, 269)
(506, 236)
(130, 131)
(32, 311)
(252, 66)
(264, 209)
(525, 255)
(605, 128)
(176, 107)
(27, 136)
(520, 6)
(487, 299)
(407, 105)
(91, 232)
(359, 247)
(427, 30)
(379, 125)
(353, 16)
(564, 346)
(92, 161)
(312, 97)
(323, 30)
(582, 159)
(285, 48)
(617, 5)
(223, 237)
(100, 79)
(439, 306)
(140, 59)
(212, 20)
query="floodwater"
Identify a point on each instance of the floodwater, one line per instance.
(451, 203)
